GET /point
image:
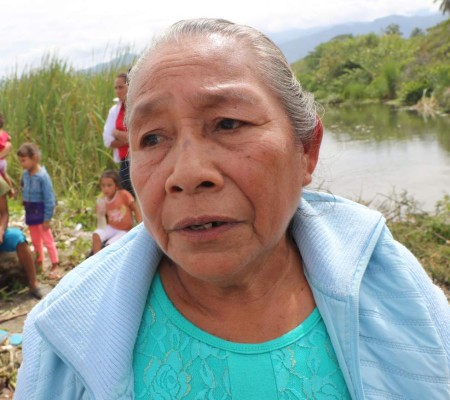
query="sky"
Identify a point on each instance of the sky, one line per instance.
(87, 32)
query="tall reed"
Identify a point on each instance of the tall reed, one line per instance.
(62, 110)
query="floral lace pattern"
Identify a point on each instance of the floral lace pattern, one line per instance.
(308, 369)
(174, 363)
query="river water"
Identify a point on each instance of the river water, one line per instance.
(373, 152)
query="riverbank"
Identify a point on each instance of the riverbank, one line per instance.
(384, 67)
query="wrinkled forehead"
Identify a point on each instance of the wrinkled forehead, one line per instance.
(194, 49)
(201, 45)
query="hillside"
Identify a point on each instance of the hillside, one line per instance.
(381, 67)
(298, 44)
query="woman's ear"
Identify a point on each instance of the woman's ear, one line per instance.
(311, 152)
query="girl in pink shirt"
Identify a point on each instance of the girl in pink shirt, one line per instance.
(5, 148)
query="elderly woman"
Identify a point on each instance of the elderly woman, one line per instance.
(238, 284)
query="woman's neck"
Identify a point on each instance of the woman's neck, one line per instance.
(239, 312)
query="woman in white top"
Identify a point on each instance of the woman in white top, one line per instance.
(115, 133)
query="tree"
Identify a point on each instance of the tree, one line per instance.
(445, 6)
(416, 32)
(393, 29)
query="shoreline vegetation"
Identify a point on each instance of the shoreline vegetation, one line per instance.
(425, 234)
(411, 73)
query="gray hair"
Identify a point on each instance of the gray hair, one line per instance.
(270, 63)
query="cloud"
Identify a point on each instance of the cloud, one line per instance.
(31, 28)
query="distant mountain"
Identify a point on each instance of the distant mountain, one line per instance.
(304, 43)
(123, 61)
(297, 43)
(291, 34)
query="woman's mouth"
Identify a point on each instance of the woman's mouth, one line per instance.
(204, 228)
(208, 225)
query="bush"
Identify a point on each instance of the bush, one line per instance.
(444, 100)
(333, 98)
(377, 88)
(390, 71)
(412, 92)
(355, 91)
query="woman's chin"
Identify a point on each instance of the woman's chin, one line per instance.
(218, 269)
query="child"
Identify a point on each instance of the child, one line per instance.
(118, 206)
(39, 202)
(5, 147)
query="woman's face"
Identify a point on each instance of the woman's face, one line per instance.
(213, 160)
(120, 89)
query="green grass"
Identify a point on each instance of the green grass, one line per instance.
(63, 111)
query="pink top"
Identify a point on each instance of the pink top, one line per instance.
(4, 138)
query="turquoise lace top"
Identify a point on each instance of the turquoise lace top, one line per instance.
(173, 359)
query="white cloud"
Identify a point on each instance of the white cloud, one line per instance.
(30, 28)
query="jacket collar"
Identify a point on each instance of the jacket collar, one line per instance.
(336, 238)
(108, 294)
(110, 290)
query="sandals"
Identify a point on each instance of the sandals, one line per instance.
(15, 339)
(54, 275)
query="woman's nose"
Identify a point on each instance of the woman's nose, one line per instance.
(194, 169)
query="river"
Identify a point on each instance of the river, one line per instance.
(374, 152)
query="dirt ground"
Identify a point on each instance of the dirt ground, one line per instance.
(12, 317)
(15, 307)
(13, 313)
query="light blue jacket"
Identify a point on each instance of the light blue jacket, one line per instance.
(390, 327)
(38, 188)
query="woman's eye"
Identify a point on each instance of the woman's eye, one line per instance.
(151, 140)
(229, 123)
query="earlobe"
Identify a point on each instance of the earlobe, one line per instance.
(312, 152)
(307, 178)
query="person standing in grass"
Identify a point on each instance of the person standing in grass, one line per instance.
(39, 202)
(115, 134)
(117, 206)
